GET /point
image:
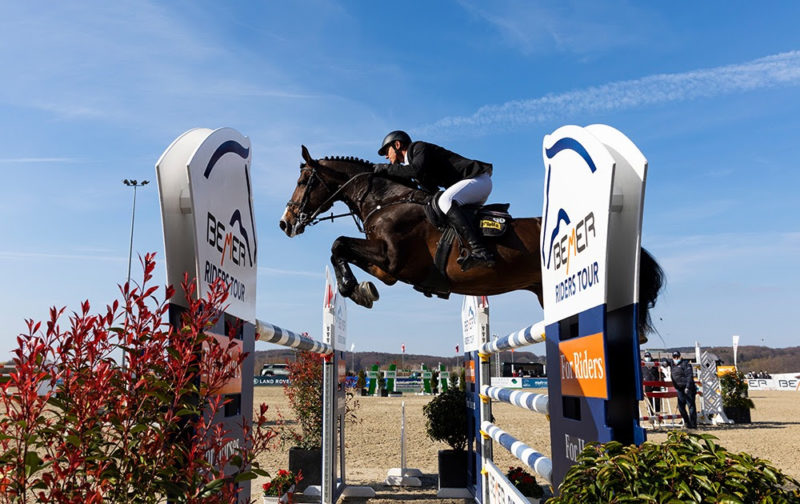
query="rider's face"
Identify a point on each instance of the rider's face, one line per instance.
(393, 154)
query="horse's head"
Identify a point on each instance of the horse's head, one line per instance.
(310, 197)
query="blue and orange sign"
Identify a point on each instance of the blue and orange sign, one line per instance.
(583, 367)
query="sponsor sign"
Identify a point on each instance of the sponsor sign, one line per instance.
(534, 383)
(334, 315)
(506, 382)
(785, 381)
(583, 367)
(577, 195)
(207, 212)
(470, 327)
(270, 380)
(225, 231)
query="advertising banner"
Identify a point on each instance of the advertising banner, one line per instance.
(789, 382)
(225, 231)
(469, 324)
(583, 367)
(577, 191)
(207, 212)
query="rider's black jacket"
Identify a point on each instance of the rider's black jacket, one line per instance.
(433, 166)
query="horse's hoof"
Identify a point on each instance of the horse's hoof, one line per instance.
(364, 294)
(359, 299)
(642, 338)
(369, 291)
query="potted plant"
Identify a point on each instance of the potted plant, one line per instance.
(304, 392)
(684, 468)
(281, 488)
(526, 484)
(446, 421)
(735, 402)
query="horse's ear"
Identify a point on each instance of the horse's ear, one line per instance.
(306, 155)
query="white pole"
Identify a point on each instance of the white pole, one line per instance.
(403, 436)
(735, 348)
(402, 476)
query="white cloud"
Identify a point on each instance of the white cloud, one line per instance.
(564, 26)
(745, 257)
(776, 70)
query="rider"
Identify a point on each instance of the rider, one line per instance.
(466, 181)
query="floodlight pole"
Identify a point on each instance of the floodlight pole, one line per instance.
(135, 184)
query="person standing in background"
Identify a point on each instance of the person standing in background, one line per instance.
(651, 372)
(683, 381)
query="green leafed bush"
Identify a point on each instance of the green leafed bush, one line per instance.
(446, 418)
(734, 391)
(685, 468)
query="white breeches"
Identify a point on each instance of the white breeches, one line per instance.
(466, 192)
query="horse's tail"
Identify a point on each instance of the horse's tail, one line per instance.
(651, 281)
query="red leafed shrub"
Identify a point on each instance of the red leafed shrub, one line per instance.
(77, 426)
(304, 393)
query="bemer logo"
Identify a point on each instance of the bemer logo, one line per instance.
(573, 243)
(227, 243)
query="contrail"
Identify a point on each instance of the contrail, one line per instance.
(771, 71)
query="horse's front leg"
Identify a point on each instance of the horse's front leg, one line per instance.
(366, 254)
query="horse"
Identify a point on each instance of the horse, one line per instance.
(401, 243)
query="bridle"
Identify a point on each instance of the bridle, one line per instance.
(303, 218)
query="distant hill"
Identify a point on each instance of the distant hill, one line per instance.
(757, 358)
(749, 358)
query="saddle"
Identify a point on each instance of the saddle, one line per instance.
(492, 221)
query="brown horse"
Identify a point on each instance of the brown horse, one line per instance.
(401, 243)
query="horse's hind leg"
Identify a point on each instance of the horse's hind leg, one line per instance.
(362, 253)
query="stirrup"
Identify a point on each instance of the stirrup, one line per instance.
(471, 261)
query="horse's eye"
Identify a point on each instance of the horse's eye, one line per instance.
(302, 182)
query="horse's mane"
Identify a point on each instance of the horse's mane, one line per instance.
(350, 159)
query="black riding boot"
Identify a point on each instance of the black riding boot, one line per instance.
(479, 256)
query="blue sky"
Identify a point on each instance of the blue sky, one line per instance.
(92, 93)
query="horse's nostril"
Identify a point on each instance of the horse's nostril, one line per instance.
(282, 224)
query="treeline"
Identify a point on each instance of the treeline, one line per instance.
(760, 358)
(749, 358)
(365, 360)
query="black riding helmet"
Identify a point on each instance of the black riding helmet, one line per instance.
(390, 138)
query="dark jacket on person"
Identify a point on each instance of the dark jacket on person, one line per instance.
(682, 376)
(433, 166)
(652, 373)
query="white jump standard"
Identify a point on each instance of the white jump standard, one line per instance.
(209, 233)
(590, 257)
